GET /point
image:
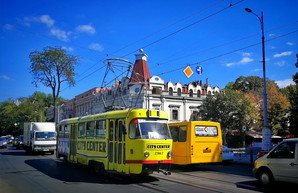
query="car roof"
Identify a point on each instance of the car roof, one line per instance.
(291, 139)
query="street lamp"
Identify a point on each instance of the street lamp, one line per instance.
(266, 132)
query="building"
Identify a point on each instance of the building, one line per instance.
(83, 103)
(141, 90)
(151, 92)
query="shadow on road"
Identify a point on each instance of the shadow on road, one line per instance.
(77, 174)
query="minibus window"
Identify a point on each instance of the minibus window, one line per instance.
(207, 131)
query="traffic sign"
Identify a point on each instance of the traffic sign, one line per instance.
(199, 70)
(188, 71)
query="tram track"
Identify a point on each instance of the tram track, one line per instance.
(178, 181)
(212, 184)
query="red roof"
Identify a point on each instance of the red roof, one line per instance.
(140, 72)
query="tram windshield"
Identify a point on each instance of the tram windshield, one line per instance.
(149, 129)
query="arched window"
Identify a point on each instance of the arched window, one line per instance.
(179, 91)
(199, 93)
(190, 93)
(171, 91)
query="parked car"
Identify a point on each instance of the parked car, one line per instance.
(227, 153)
(3, 142)
(279, 164)
(18, 142)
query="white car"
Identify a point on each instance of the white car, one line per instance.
(3, 142)
(227, 154)
(279, 164)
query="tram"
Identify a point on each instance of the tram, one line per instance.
(196, 142)
(126, 141)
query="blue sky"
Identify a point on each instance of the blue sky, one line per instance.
(224, 40)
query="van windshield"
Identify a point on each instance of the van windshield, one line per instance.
(149, 129)
(45, 136)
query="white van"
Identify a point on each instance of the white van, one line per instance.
(279, 164)
(40, 137)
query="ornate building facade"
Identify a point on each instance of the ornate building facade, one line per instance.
(151, 92)
(141, 90)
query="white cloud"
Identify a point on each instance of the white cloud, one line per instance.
(290, 43)
(280, 63)
(5, 77)
(46, 19)
(284, 83)
(85, 29)
(60, 34)
(68, 49)
(96, 47)
(282, 54)
(230, 64)
(256, 70)
(8, 27)
(246, 54)
(245, 59)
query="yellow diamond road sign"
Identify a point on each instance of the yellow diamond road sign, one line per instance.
(188, 71)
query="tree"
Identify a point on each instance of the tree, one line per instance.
(51, 68)
(278, 105)
(291, 92)
(230, 108)
(248, 84)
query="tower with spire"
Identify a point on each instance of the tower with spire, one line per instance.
(140, 73)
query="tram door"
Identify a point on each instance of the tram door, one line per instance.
(116, 145)
(73, 142)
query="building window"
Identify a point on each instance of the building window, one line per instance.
(179, 91)
(156, 90)
(190, 93)
(175, 114)
(171, 91)
(199, 93)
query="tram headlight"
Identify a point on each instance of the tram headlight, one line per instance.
(170, 154)
(146, 154)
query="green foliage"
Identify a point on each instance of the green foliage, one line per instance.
(229, 108)
(248, 84)
(14, 113)
(292, 94)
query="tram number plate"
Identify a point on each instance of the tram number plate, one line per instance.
(158, 153)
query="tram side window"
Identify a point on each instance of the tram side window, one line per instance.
(61, 131)
(111, 130)
(101, 128)
(178, 133)
(81, 130)
(66, 131)
(134, 132)
(90, 130)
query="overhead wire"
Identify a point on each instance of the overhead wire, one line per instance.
(226, 43)
(230, 52)
(187, 26)
(167, 26)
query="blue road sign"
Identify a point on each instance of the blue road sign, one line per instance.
(199, 70)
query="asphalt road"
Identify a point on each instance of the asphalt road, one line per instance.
(22, 173)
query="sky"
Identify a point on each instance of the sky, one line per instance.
(217, 35)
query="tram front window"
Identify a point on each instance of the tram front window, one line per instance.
(149, 129)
